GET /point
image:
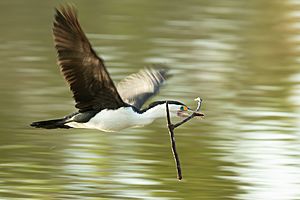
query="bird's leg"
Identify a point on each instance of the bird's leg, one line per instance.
(171, 128)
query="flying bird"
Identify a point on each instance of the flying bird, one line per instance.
(100, 104)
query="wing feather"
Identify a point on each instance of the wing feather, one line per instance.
(85, 72)
(137, 88)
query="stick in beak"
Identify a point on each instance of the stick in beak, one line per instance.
(197, 114)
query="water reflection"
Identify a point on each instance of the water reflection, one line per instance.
(264, 152)
(240, 56)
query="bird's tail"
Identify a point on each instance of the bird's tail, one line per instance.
(51, 124)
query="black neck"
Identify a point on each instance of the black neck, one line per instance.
(156, 103)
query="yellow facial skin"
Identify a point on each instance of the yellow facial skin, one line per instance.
(184, 108)
(185, 112)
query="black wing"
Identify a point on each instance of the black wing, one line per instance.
(85, 72)
(137, 88)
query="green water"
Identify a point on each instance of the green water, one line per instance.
(241, 57)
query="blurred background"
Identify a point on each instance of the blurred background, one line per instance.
(241, 57)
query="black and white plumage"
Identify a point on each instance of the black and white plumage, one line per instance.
(100, 104)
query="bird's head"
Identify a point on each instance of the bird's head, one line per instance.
(179, 109)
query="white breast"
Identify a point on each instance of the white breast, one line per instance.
(113, 120)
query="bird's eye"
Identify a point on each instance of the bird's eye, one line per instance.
(183, 108)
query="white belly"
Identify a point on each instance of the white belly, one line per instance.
(112, 120)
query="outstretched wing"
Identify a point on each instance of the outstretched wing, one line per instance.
(85, 72)
(137, 88)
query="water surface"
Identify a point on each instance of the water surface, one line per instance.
(241, 57)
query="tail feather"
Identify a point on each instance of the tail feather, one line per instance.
(50, 124)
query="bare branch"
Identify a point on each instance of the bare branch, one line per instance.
(173, 143)
(171, 128)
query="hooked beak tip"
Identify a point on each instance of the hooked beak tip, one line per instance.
(186, 114)
(199, 114)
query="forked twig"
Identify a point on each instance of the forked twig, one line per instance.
(171, 128)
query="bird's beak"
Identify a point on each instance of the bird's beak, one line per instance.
(189, 112)
(199, 115)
